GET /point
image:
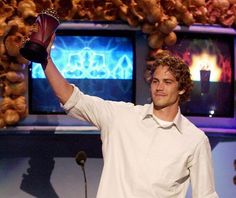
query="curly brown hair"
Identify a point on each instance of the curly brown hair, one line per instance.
(177, 67)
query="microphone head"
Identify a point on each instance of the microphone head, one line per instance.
(80, 158)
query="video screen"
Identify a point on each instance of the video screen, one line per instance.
(99, 63)
(211, 61)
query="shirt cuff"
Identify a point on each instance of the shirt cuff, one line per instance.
(71, 102)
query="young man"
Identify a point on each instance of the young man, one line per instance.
(149, 151)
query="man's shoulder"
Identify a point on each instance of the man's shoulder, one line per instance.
(191, 129)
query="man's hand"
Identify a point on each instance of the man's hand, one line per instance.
(44, 64)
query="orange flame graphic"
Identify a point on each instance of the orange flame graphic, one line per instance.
(205, 61)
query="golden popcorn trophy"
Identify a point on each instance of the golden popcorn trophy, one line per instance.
(35, 47)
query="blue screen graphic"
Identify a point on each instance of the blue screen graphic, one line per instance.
(100, 65)
(91, 57)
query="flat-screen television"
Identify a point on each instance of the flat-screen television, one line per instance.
(211, 61)
(100, 62)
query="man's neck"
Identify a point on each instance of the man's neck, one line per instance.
(167, 113)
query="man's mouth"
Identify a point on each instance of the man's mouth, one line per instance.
(160, 94)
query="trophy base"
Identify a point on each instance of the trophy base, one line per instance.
(34, 52)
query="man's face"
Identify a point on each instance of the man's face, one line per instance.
(164, 89)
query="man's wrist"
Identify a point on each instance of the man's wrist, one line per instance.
(45, 63)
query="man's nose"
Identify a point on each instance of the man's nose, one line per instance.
(160, 86)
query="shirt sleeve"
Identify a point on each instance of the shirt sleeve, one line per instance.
(92, 109)
(97, 111)
(201, 172)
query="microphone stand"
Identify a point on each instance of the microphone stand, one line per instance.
(80, 160)
(85, 181)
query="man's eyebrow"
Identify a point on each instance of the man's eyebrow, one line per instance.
(165, 79)
(169, 79)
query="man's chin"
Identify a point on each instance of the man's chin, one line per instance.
(159, 106)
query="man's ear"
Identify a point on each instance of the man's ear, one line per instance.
(181, 92)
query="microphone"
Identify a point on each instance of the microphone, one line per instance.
(80, 159)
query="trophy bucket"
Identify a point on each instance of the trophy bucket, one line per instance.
(35, 47)
(34, 52)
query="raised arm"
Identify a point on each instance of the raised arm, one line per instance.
(59, 84)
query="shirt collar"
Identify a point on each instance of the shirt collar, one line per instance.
(177, 120)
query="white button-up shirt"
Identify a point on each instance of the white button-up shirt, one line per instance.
(145, 157)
